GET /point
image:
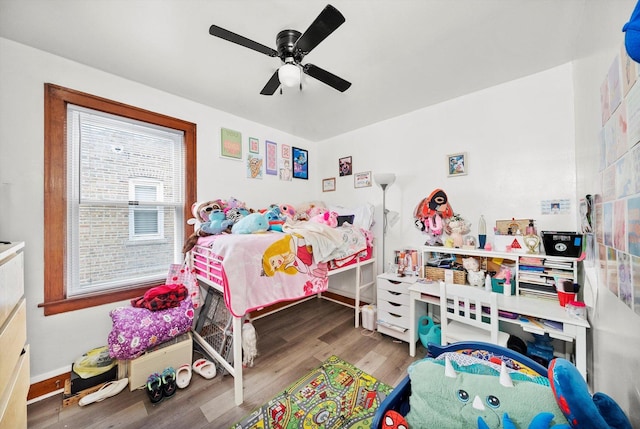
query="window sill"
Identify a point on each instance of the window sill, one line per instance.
(92, 300)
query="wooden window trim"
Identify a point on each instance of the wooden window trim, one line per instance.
(56, 99)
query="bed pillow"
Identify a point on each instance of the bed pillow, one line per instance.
(362, 215)
(447, 402)
(137, 329)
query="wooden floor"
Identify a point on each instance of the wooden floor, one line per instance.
(290, 343)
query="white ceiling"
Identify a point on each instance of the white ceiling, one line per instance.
(399, 55)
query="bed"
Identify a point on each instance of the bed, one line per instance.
(256, 271)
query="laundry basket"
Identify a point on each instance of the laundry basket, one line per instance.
(214, 326)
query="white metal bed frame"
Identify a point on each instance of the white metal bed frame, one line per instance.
(211, 266)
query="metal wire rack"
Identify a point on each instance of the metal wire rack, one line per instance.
(214, 326)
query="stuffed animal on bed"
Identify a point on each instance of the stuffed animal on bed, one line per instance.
(251, 224)
(581, 409)
(476, 393)
(327, 218)
(275, 218)
(217, 223)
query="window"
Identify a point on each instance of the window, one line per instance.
(119, 182)
(145, 223)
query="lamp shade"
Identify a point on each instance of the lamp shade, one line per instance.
(384, 179)
(289, 75)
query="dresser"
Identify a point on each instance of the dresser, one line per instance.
(14, 352)
(393, 307)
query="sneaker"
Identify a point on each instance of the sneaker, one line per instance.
(154, 388)
(169, 382)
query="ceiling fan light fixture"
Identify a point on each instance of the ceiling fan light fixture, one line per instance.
(289, 75)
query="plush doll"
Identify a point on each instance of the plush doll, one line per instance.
(234, 214)
(326, 218)
(201, 211)
(287, 211)
(457, 227)
(581, 409)
(217, 223)
(251, 224)
(431, 214)
(275, 218)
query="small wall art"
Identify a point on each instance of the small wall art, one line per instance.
(329, 184)
(271, 151)
(254, 145)
(457, 164)
(362, 180)
(345, 166)
(300, 163)
(254, 166)
(286, 151)
(230, 144)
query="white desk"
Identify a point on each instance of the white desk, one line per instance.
(573, 329)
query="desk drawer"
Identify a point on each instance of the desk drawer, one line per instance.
(396, 314)
(392, 296)
(393, 286)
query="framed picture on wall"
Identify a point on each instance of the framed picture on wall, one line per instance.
(271, 153)
(362, 180)
(329, 184)
(457, 164)
(300, 163)
(230, 144)
(253, 145)
(345, 166)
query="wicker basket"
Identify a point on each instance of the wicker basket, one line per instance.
(435, 273)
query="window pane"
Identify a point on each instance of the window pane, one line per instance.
(119, 235)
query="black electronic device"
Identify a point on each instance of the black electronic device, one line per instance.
(562, 243)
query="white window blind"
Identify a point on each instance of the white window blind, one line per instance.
(124, 201)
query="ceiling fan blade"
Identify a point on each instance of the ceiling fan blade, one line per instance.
(325, 77)
(220, 32)
(271, 86)
(324, 24)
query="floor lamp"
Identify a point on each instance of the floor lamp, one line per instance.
(384, 180)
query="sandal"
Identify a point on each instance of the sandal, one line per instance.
(205, 368)
(154, 388)
(106, 391)
(183, 376)
(169, 382)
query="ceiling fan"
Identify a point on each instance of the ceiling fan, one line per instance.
(292, 46)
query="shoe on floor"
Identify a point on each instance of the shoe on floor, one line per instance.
(183, 376)
(154, 388)
(169, 382)
(205, 368)
(106, 391)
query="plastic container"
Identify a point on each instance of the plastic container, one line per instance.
(576, 309)
(565, 297)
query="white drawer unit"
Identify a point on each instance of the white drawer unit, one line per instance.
(393, 306)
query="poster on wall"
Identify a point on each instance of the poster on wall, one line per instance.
(271, 152)
(300, 163)
(633, 219)
(629, 70)
(230, 144)
(284, 170)
(612, 271)
(633, 116)
(615, 85)
(635, 272)
(620, 225)
(624, 279)
(254, 166)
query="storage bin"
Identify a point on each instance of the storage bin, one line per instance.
(497, 285)
(174, 353)
(437, 274)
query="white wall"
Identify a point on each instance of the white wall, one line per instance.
(615, 332)
(519, 138)
(56, 341)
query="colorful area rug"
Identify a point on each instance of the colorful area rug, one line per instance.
(336, 395)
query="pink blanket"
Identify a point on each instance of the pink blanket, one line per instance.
(258, 270)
